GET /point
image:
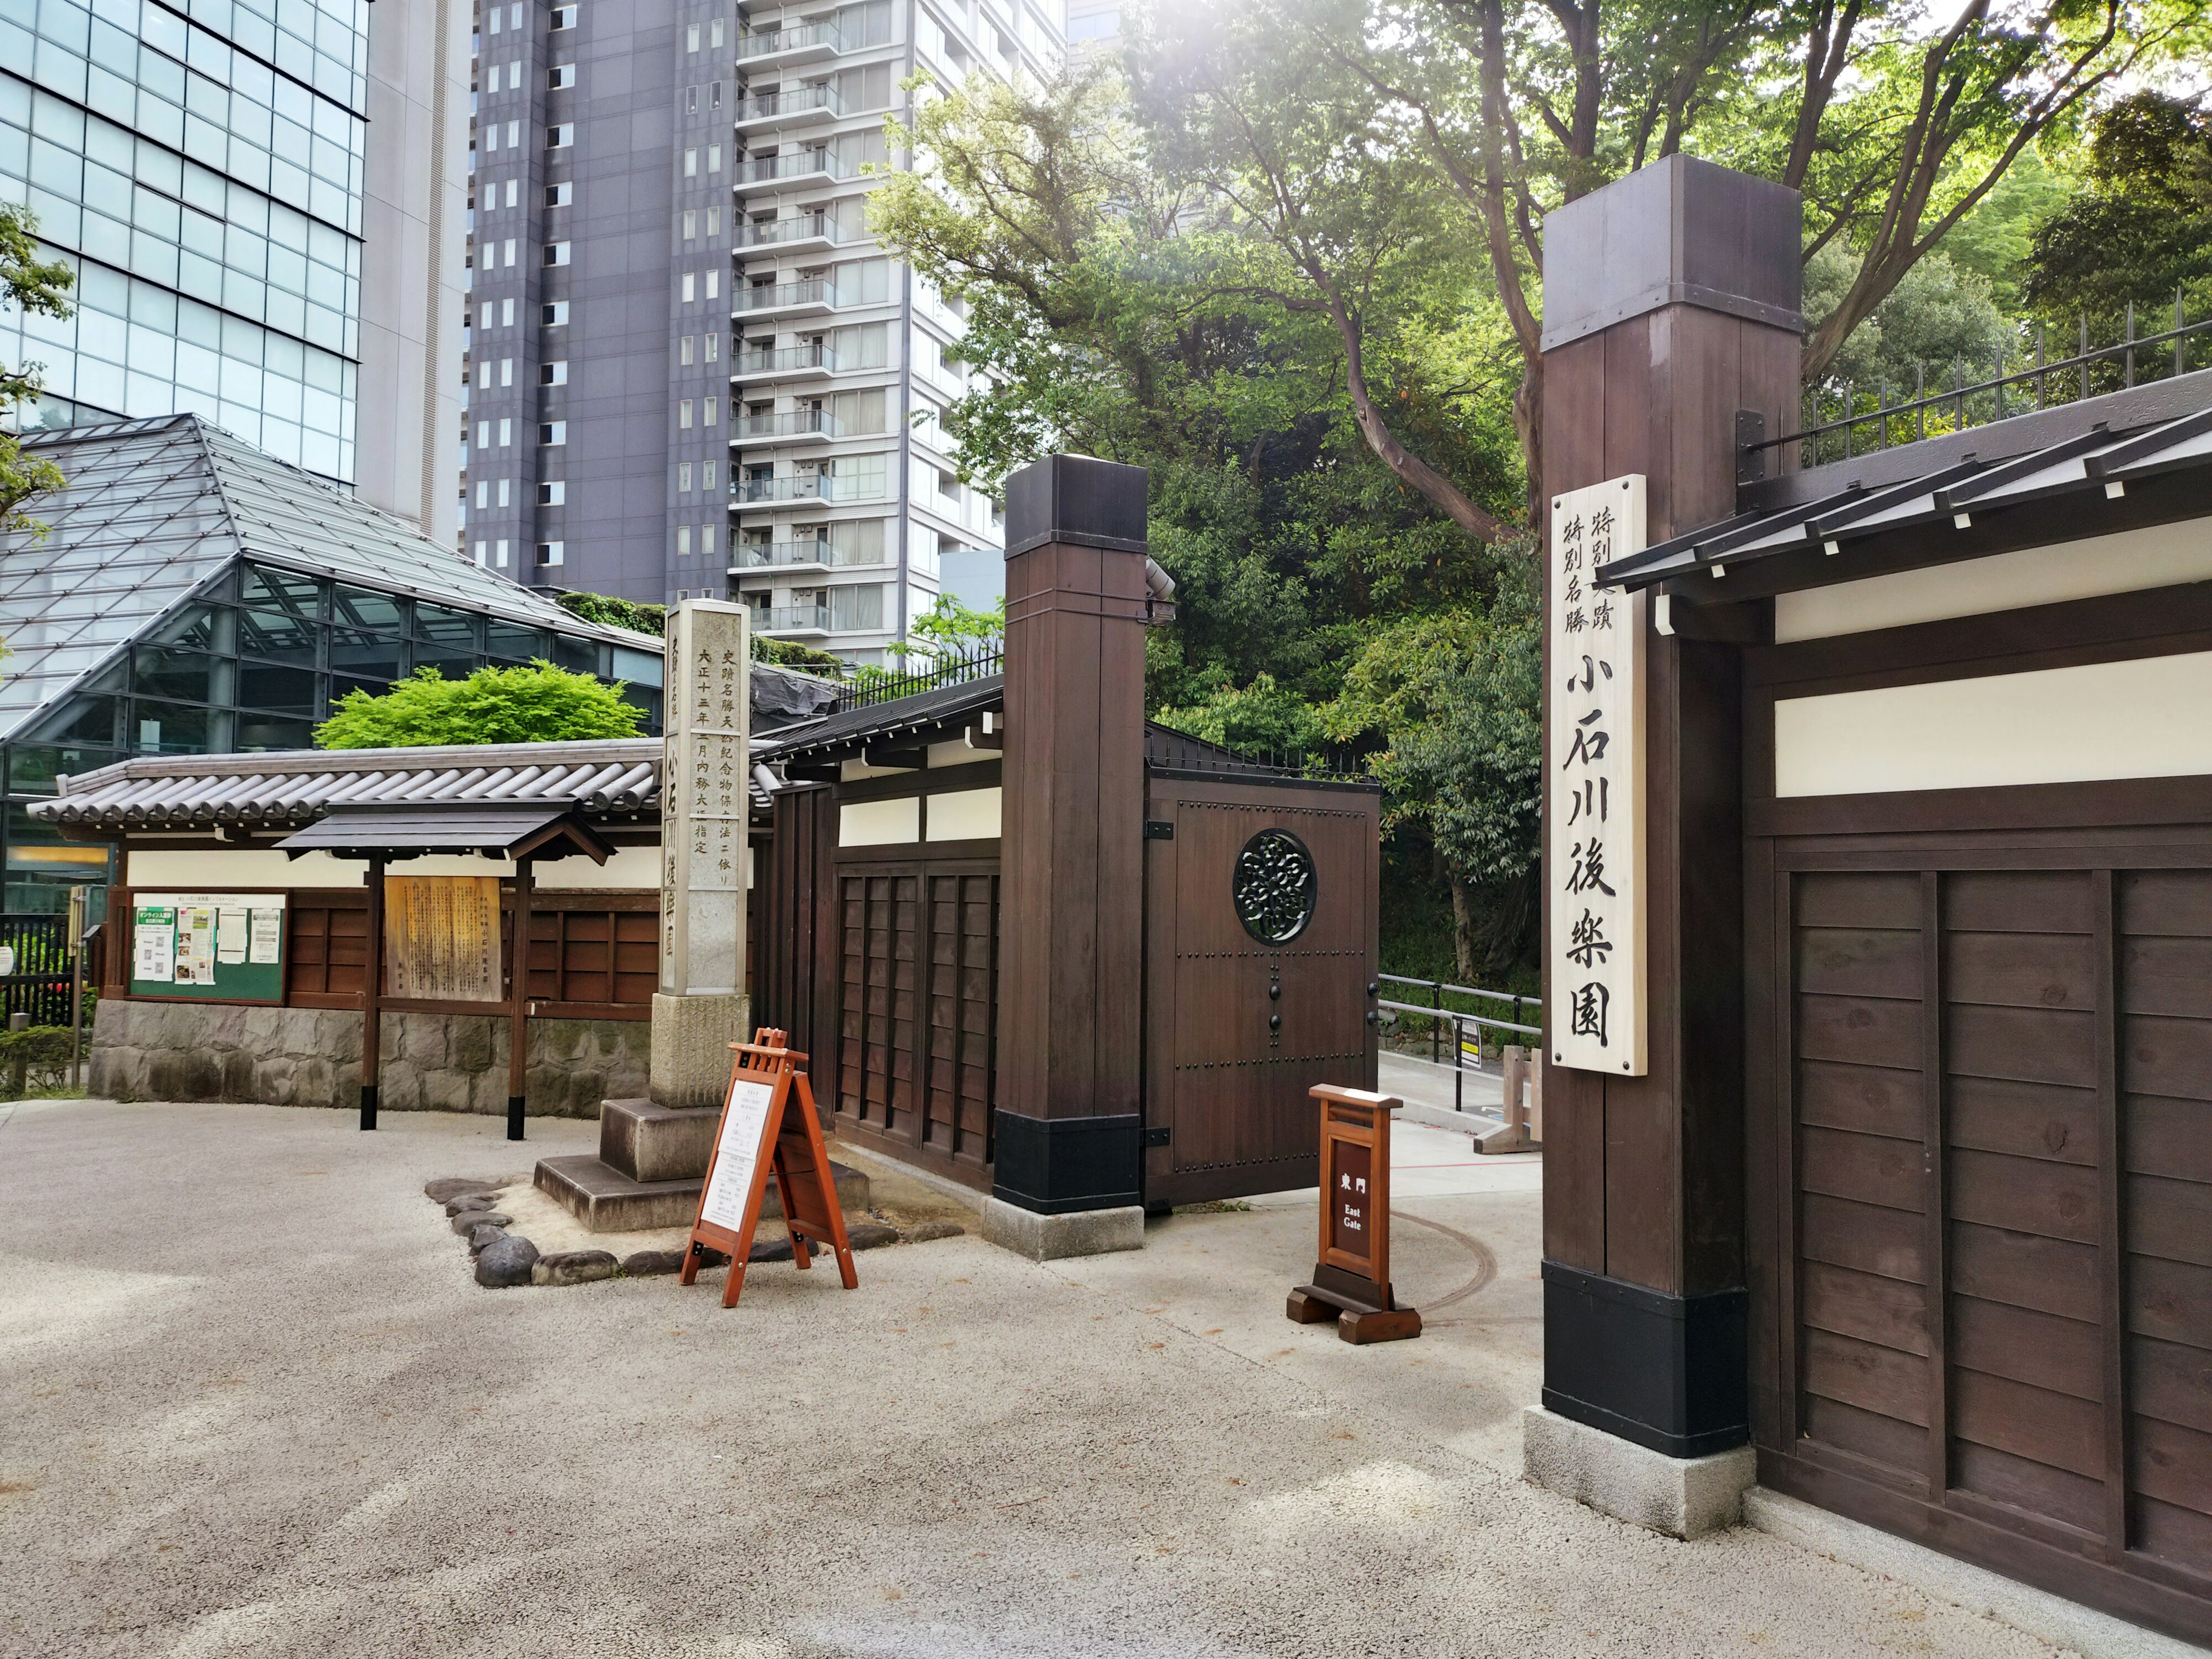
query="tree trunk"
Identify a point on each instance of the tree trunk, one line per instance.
(1462, 931)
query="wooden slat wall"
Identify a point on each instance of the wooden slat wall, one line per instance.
(595, 948)
(916, 1009)
(2003, 1290)
(2163, 929)
(796, 947)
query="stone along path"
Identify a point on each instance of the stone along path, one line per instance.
(256, 1405)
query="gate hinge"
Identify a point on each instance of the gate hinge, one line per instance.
(1159, 1134)
(1159, 828)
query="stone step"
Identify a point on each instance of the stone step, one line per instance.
(606, 1200)
(650, 1143)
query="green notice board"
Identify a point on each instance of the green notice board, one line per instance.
(227, 946)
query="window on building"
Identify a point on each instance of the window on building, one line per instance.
(483, 376)
(714, 283)
(856, 541)
(487, 307)
(561, 136)
(714, 221)
(690, 164)
(552, 493)
(711, 415)
(714, 158)
(857, 607)
(480, 553)
(507, 492)
(483, 494)
(513, 134)
(507, 371)
(716, 102)
(560, 77)
(556, 254)
(683, 351)
(714, 347)
(714, 35)
(690, 224)
(707, 476)
(564, 17)
(687, 280)
(510, 252)
(691, 37)
(554, 314)
(514, 189)
(554, 373)
(706, 547)
(682, 541)
(506, 313)
(499, 553)
(506, 432)
(551, 552)
(553, 432)
(683, 415)
(684, 477)
(690, 100)
(560, 195)
(483, 434)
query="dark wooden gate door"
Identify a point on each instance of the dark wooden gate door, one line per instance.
(1237, 1027)
(1997, 1334)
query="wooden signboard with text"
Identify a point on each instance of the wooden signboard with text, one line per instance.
(442, 938)
(769, 1127)
(1351, 1273)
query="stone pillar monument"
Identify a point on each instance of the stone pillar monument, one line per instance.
(702, 1007)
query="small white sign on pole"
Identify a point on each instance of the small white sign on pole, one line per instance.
(1594, 931)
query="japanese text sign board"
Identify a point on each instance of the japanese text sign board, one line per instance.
(227, 947)
(1352, 1274)
(442, 938)
(1594, 786)
(768, 1127)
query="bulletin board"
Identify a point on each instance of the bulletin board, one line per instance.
(226, 947)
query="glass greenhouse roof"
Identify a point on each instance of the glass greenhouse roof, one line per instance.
(155, 509)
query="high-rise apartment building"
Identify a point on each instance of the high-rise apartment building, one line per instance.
(261, 201)
(691, 372)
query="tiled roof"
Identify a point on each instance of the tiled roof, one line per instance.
(612, 781)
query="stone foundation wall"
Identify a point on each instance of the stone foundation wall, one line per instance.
(312, 1057)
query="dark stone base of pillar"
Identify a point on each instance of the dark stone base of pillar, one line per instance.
(1053, 1165)
(1662, 1371)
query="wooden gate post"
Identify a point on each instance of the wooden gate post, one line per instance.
(1067, 1141)
(1670, 305)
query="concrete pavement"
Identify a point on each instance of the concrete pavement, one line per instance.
(252, 1403)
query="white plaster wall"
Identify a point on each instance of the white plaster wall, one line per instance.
(2144, 718)
(879, 823)
(2128, 562)
(628, 868)
(965, 815)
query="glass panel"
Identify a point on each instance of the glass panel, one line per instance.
(38, 849)
(32, 768)
(259, 732)
(367, 656)
(578, 656)
(164, 673)
(458, 628)
(646, 698)
(283, 690)
(451, 664)
(278, 636)
(277, 589)
(168, 728)
(507, 639)
(83, 718)
(203, 627)
(380, 612)
(340, 685)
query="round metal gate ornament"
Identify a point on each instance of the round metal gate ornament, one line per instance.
(1275, 885)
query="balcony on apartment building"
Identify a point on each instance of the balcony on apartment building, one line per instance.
(791, 619)
(798, 426)
(812, 361)
(814, 297)
(802, 43)
(813, 554)
(795, 487)
(799, 169)
(801, 107)
(803, 233)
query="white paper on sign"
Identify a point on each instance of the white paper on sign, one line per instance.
(737, 1156)
(156, 945)
(267, 936)
(230, 933)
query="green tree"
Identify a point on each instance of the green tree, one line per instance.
(538, 704)
(2142, 227)
(30, 284)
(1937, 316)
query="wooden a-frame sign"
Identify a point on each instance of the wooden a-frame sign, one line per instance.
(1351, 1275)
(767, 1125)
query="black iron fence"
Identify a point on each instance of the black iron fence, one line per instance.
(34, 967)
(1459, 1037)
(951, 666)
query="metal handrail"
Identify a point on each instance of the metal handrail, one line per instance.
(1460, 1023)
(754, 45)
(1960, 395)
(787, 359)
(768, 104)
(795, 229)
(804, 164)
(793, 424)
(788, 293)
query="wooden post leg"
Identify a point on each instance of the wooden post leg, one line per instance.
(518, 1014)
(371, 989)
(737, 1282)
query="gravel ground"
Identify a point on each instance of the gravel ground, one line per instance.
(254, 1404)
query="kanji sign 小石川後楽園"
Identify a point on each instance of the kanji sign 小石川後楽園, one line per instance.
(1593, 786)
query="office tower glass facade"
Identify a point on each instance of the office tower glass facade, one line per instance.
(204, 175)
